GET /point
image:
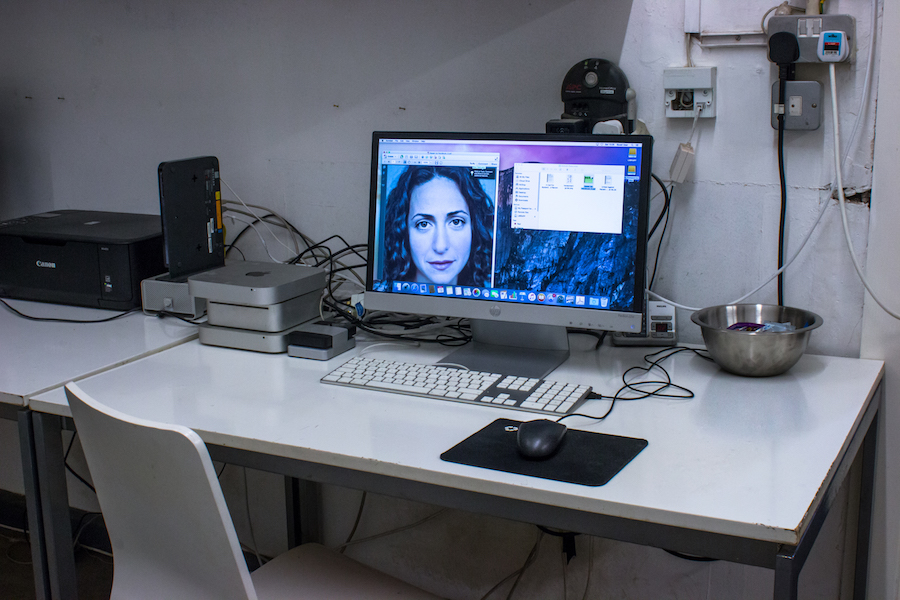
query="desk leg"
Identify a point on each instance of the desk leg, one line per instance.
(54, 501)
(866, 508)
(790, 560)
(304, 517)
(787, 576)
(33, 507)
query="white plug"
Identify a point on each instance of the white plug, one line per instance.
(833, 46)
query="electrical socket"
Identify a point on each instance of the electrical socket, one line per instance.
(687, 88)
(802, 105)
(808, 29)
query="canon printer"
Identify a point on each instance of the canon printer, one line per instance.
(86, 258)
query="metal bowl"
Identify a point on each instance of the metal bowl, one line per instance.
(755, 353)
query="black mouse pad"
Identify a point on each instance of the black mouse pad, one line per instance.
(584, 457)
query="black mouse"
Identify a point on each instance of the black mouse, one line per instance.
(540, 438)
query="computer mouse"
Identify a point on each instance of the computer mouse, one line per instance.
(540, 438)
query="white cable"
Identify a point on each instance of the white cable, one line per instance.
(838, 183)
(697, 110)
(258, 234)
(250, 520)
(282, 222)
(263, 221)
(863, 102)
(392, 531)
(840, 189)
(764, 283)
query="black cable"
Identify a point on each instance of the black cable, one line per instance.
(684, 556)
(658, 252)
(279, 222)
(665, 209)
(600, 335)
(664, 214)
(782, 181)
(79, 529)
(348, 247)
(568, 541)
(70, 469)
(166, 314)
(60, 320)
(638, 387)
(231, 247)
(784, 51)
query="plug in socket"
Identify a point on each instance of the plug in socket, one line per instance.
(808, 29)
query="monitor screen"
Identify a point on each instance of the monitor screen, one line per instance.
(528, 228)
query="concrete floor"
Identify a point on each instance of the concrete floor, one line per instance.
(94, 570)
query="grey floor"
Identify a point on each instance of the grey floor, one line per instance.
(94, 571)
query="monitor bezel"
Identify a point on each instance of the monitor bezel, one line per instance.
(546, 314)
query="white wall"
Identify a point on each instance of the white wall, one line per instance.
(94, 94)
(881, 333)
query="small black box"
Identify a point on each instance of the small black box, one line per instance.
(567, 126)
(85, 258)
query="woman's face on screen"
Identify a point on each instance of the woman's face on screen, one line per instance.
(440, 231)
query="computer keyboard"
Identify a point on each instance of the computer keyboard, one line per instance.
(459, 385)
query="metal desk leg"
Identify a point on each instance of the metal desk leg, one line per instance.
(54, 500)
(787, 575)
(304, 516)
(791, 559)
(33, 507)
(866, 508)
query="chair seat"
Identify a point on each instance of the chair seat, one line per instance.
(313, 571)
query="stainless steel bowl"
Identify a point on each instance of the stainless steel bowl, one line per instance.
(754, 353)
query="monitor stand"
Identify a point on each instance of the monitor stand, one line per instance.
(512, 349)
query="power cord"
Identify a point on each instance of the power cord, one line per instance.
(645, 388)
(764, 283)
(60, 320)
(840, 190)
(529, 560)
(784, 50)
(69, 467)
(376, 536)
(362, 505)
(663, 214)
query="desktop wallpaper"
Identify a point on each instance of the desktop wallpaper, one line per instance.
(591, 264)
(540, 260)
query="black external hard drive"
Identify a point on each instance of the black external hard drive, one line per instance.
(190, 203)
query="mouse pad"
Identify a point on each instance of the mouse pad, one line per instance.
(584, 457)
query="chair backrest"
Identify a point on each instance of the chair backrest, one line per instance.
(171, 533)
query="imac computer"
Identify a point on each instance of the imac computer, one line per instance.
(526, 235)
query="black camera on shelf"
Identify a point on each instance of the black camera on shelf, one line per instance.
(594, 91)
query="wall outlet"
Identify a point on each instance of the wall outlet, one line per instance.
(809, 28)
(690, 88)
(802, 105)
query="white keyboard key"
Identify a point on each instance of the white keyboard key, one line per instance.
(412, 389)
(444, 383)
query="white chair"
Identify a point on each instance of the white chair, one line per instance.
(171, 533)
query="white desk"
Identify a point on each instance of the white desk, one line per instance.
(745, 471)
(37, 357)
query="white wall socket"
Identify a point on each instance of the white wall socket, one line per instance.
(690, 88)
